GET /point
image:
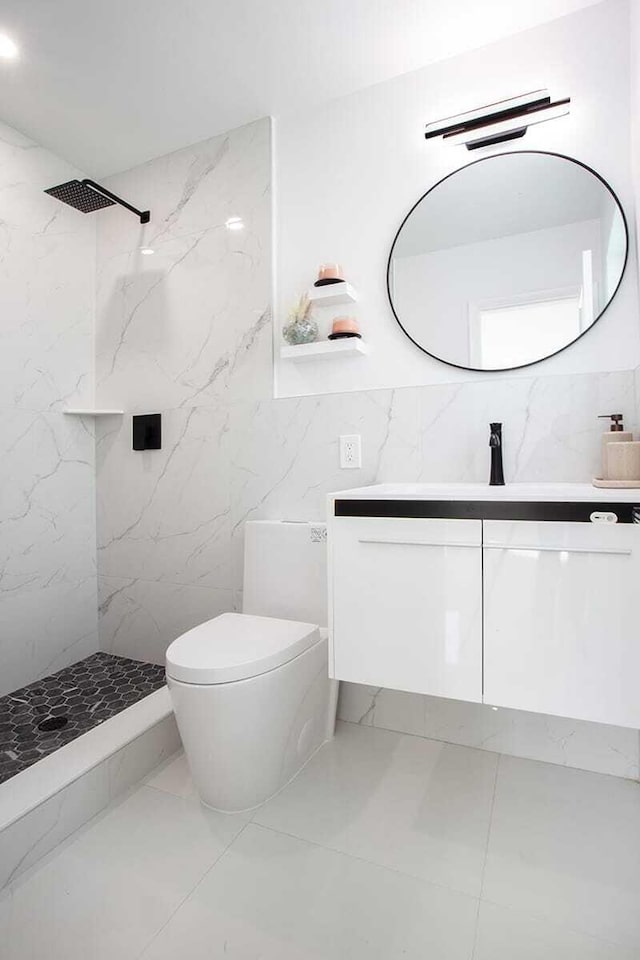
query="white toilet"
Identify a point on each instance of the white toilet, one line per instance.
(250, 690)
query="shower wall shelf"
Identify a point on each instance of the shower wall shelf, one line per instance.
(326, 350)
(332, 294)
(93, 412)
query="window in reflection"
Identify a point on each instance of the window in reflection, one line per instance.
(515, 334)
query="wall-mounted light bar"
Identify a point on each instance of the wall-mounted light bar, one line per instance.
(498, 122)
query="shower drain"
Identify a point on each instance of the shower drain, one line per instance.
(53, 723)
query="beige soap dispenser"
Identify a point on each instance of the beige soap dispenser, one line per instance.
(615, 434)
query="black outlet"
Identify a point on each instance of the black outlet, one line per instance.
(147, 431)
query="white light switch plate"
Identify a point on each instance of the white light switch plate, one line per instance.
(350, 452)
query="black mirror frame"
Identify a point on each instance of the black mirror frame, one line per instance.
(507, 153)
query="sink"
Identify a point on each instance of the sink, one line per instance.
(481, 491)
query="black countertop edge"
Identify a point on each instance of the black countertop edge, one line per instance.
(548, 510)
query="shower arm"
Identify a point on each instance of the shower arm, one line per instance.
(145, 215)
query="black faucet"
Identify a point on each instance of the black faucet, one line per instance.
(495, 442)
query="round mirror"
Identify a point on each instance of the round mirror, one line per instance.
(508, 260)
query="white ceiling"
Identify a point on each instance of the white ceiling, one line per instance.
(506, 195)
(109, 84)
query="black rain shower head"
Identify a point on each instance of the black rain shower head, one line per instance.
(80, 196)
(88, 196)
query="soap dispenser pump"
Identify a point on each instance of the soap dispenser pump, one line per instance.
(617, 425)
(615, 434)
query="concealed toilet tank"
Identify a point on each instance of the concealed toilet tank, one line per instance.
(285, 570)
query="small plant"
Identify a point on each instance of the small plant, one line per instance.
(300, 326)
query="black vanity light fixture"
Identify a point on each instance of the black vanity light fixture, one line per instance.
(88, 196)
(498, 122)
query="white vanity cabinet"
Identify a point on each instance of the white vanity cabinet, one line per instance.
(524, 596)
(562, 619)
(406, 604)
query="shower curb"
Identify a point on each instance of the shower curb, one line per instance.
(41, 806)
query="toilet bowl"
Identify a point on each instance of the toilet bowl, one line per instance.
(251, 692)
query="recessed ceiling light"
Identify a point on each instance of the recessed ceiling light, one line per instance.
(146, 251)
(8, 49)
(234, 223)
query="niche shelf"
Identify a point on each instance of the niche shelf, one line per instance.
(333, 294)
(326, 350)
(93, 412)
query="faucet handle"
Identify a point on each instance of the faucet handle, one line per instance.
(495, 437)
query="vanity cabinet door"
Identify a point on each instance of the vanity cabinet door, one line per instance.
(406, 604)
(562, 619)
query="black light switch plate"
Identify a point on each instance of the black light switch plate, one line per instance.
(147, 431)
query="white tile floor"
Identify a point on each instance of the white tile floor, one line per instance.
(386, 846)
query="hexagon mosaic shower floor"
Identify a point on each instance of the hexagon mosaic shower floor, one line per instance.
(39, 718)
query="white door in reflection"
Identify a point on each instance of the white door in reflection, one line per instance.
(515, 334)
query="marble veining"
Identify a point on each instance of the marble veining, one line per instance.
(189, 333)
(190, 324)
(47, 464)
(572, 743)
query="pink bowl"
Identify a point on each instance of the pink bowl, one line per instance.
(345, 325)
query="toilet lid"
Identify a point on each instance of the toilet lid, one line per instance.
(235, 646)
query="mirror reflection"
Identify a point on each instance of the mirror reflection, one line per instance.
(507, 261)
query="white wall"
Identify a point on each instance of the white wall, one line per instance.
(634, 40)
(47, 490)
(634, 43)
(348, 172)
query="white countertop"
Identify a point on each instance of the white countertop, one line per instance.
(562, 492)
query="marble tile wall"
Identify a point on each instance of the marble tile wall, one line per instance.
(47, 469)
(571, 743)
(187, 332)
(190, 325)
